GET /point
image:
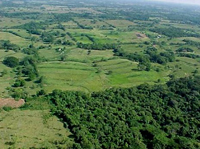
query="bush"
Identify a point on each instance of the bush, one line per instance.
(7, 108)
(11, 61)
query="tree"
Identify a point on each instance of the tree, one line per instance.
(11, 61)
(19, 83)
(144, 66)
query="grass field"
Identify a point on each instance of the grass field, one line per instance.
(31, 129)
(20, 32)
(8, 22)
(110, 73)
(13, 39)
(120, 23)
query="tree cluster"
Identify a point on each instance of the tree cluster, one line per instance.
(96, 46)
(159, 116)
(174, 32)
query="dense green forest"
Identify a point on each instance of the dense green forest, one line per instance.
(159, 116)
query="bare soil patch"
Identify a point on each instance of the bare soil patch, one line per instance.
(9, 102)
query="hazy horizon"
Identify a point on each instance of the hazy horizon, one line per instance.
(197, 2)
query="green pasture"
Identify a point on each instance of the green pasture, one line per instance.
(21, 32)
(67, 75)
(14, 39)
(98, 76)
(31, 129)
(10, 22)
(84, 56)
(184, 67)
(125, 73)
(70, 25)
(120, 23)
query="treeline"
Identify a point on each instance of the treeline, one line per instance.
(192, 43)
(82, 26)
(149, 55)
(23, 15)
(96, 46)
(184, 49)
(32, 27)
(183, 52)
(62, 17)
(174, 32)
(159, 116)
(185, 18)
(7, 45)
(194, 56)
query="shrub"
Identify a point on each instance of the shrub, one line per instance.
(11, 61)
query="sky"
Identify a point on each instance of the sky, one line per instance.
(197, 2)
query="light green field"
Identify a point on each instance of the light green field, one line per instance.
(184, 67)
(82, 76)
(49, 54)
(120, 23)
(95, 23)
(67, 75)
(13, 39)
(20, 32)
(70, 25)
(5, 81)
(31, 129)
(8, 22)
(125, 73)
(4, 54)
(82, 55)
(132, 48)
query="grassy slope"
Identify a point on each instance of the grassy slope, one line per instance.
(27, 128)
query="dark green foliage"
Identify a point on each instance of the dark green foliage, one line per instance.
(192, 43)
(11, 61)
(190, 17)
(174, 32)
(70, 35)
(47, 37)
(67, 43)
(149, 55)
(62, 17)
(7, 108)
(19, 83)
(82, 26)
(29, 67)
(188, 55)
(182, 49)
(32, 27)
(18, 93)
(31, 50)
(160, 116)
(7, 45)
(96, 46)
(41, 92)
(144, 65)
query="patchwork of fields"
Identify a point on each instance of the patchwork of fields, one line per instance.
(85, 46)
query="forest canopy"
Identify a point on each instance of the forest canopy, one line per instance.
(159, 116)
